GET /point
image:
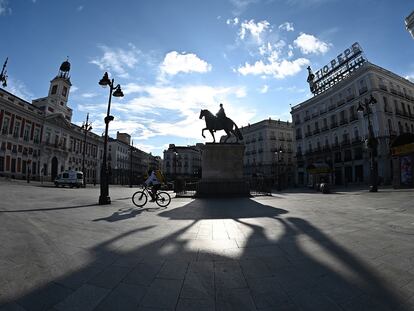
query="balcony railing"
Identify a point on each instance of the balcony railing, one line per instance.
(307, 118)
(350, 98)
(363, 90)
(343, 121)
(316, 131)
(307, 134)
(352, 118)
(324, 128)
(341, 102)
(334, 124)
(298, 137)
(383, 87)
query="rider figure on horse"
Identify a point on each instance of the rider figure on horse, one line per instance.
(221, 115)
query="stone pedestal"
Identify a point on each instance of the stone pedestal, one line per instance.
(222, 171)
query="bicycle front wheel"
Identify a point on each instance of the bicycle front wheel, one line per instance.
(163, 199)
(139, 198)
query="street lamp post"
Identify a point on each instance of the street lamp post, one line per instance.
(277, 168)
(86, 127)
(372, 142)
(130, 168)
(3, 74)
(105, 81)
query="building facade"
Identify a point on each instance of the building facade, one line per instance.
(182, 162)
(270, 151)
(38, 140)
(331, 135)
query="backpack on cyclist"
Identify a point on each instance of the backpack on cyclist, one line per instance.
(160, 176)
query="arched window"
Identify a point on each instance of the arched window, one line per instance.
(390, 129)
(400, 128)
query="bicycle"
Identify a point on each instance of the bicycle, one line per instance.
(140, 198)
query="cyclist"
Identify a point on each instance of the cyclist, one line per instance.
(156, 185)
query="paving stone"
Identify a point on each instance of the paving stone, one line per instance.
(143, 273)
(162, 293)
(255, 268)
(234, 299)
(44, 297)
(124, 297)
(86, 298)
(11, 307)
(195, 304)
(199, 281)
(110, 277)
(228, 274)
(267, 293)
(173, 269)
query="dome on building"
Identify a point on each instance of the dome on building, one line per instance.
(65, 67)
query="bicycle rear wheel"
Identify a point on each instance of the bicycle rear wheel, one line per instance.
(163, 199)
(139, 198)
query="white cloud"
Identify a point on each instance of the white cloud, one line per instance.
(233, 21)
(80, 8)
(168, 110)
(410, 77)
(264, 89)
(4, 7)
(241, 5)
(287, 26)
(117, 60)
(175, 62)
(89, 95)
(255, 31)
(73, 89)
(277, 69)
(19, 89)
(310, 44)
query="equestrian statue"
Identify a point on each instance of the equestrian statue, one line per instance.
(220, 122)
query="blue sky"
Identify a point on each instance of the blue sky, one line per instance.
(175, 57)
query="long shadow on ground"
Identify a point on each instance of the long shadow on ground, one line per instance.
(263, 260)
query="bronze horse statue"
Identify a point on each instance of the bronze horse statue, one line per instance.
(214, 124)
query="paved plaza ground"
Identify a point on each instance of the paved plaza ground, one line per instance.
(291, 251)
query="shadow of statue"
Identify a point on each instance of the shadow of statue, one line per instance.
(264, 261)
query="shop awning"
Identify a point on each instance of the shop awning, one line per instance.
(318, 168)
(403, 144)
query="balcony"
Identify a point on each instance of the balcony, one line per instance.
(383, 87)
(324, 128)
(356, 140)
(350, 98)
(307, 134)
(352, 118)
(322, 111)
(334, 125)
(363, 90)
(281, 138)
(297, 122)
(393, 91)
(346, 142)
(341, 102)
(298, 137)
(316, 131)
(332, 107)
(343, 121)
(307, 118)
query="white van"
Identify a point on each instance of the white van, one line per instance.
(69, 178)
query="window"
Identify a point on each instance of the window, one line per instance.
(386, 109)
(47, 137)
(36, 136)
(26, 132)
(390, 126)
(5, 128)
(54, 89)
(16, 129)
(64, 91)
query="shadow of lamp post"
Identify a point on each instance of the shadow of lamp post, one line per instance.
(3, 74)
(86, 127)
(130, 165)
(105, 81)
(278, 153)
(372, 142)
